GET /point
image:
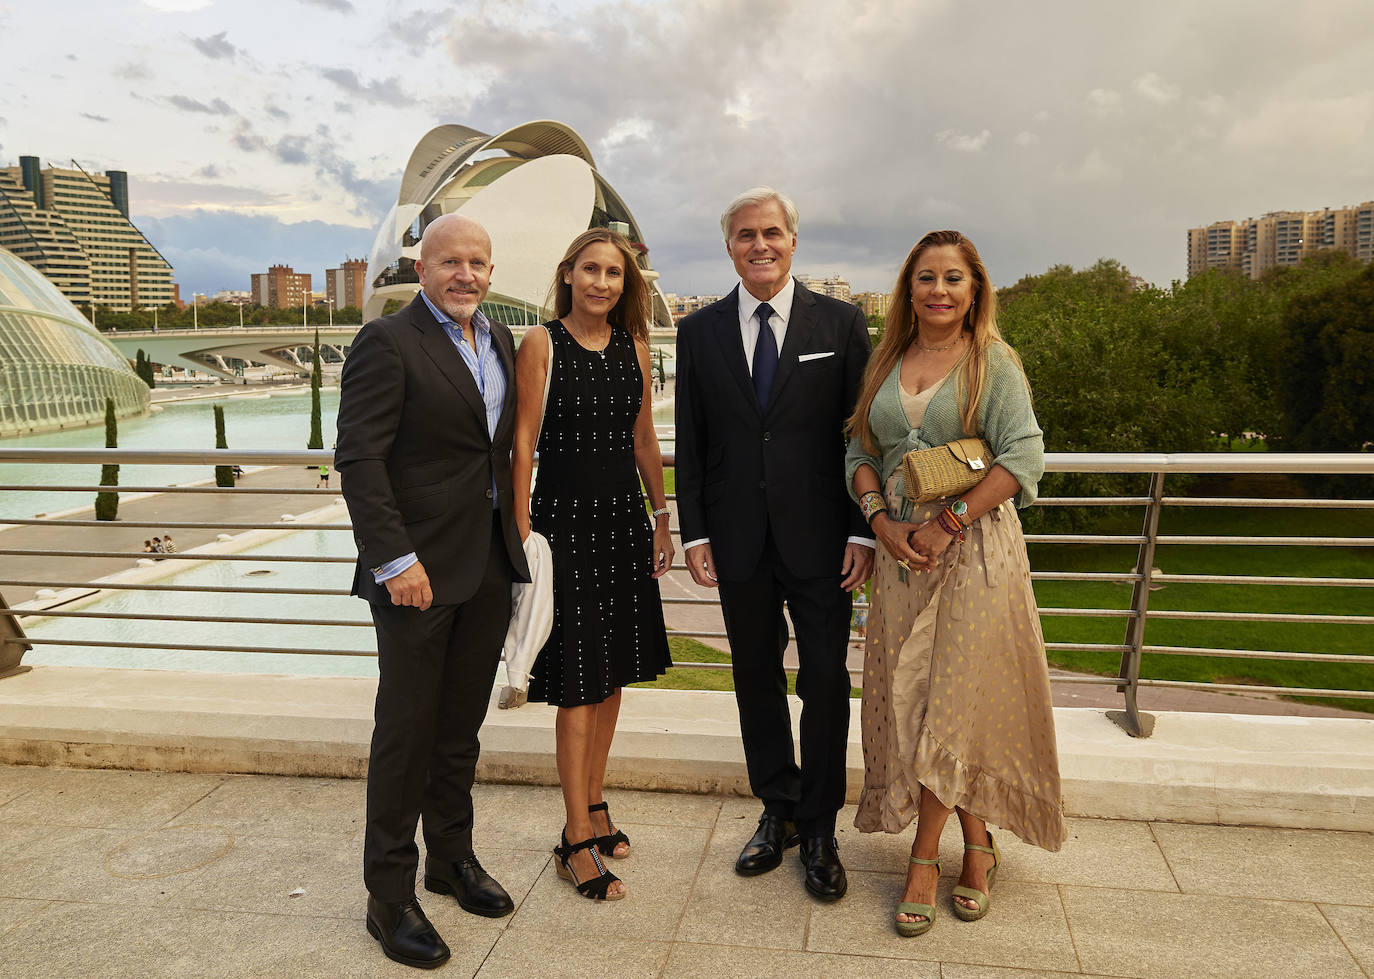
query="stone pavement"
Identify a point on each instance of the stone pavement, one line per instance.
(115, 874)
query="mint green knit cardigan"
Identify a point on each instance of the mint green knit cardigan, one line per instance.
(1004, 413)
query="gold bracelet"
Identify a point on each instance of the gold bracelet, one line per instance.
(871, 504)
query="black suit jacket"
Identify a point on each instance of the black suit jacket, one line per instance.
(414, 457)
(740, 469)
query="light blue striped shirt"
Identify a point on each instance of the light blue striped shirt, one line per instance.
(486, 370)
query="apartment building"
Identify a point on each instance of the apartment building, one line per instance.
(74, 227)
(1281, 238)
(280, 287)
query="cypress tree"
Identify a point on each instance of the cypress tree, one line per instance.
(107, 504)
(224, 475)
(316, 378)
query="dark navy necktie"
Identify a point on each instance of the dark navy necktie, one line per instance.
(765, 356)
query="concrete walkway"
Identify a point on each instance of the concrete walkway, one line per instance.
(132, 874)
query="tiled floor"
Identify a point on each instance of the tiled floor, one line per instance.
(113, 874)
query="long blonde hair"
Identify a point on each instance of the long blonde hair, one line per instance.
(980, 325)
(632, 311)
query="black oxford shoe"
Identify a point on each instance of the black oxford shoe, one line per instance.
(477, 892)
(405, 934)
(825, 879)
(764, 852)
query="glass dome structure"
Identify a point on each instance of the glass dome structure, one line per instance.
(56, 370)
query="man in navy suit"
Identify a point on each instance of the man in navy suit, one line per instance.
(426, 418)
(766, 378)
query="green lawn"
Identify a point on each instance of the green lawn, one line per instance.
(1351, 562)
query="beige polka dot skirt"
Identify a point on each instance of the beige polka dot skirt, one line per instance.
(956, 691)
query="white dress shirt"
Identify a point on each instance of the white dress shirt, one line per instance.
(749, 333)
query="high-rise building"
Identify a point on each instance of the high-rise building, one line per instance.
(281, 286)
(680, 306)
(834, 286)
(344, 285)
(74, 227)
(1256, 245)
(872, 303)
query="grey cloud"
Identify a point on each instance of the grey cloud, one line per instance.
(843, 106)
(215, 46)
(133, 71)
(214, 249)
(208, 172)
(71, 57)
(187, 104)
(387, 91)
(275, 112)
(291, 149)
(338, 6)
(93, 117)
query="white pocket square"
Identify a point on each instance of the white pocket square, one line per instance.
(805, 357)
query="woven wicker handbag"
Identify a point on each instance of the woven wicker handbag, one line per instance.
(945, 470)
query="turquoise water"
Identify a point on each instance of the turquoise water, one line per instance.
(257, 421)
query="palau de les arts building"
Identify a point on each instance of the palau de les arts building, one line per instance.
(56, 370)
(534, 188)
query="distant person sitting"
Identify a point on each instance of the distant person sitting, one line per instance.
(157, 547)
(147, 547)
(169, 546)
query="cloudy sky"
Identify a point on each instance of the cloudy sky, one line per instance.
(1059, 131)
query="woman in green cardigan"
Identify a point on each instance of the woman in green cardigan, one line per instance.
(956, 710)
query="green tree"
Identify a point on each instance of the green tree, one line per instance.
(107, 504)
(224, 475)
(143, 367)
(1327, 349)
(316, 379)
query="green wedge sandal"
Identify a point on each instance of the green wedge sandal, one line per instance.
(981, 899)
(910, 929)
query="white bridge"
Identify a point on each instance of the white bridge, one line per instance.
(211, 348)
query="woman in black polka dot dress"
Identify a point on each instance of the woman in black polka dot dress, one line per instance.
(597, 442)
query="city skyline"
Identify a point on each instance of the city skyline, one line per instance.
(246, 147)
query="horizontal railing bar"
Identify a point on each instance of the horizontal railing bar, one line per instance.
(1089, 647)
(1262, 502)
(226, 619)
(131, 586)
(1270, 541)
(188, 647)
(173, 457)
(1133, 539)
(178, 556)
(1092, 501)
(1111, 613)
(1260, 654)
(1082, 462)
(1244, 579)
(175, 524)
(1107, 576)
(1299, 617)
(210, 490)
(1089, 679)
(1255, 688)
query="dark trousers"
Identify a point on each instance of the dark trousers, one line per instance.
(437, 669)
(812, 793)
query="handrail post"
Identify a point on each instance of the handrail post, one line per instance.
(13, 642)
(1136, 724)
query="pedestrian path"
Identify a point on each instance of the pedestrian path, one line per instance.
(135, 874)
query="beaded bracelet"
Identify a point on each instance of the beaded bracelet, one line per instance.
(660, 512)
(953, 529)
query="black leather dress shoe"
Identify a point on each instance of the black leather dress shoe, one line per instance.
(825, 879)
(477, 892)
(405, 934)
(764, 852)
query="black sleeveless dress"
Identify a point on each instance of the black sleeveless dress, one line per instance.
(607, 617)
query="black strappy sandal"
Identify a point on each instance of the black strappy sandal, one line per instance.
(594, 888)
(607, 844)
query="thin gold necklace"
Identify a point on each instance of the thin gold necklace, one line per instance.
(935, 350)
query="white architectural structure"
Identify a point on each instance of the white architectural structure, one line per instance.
(534, 188)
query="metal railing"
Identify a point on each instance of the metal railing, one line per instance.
(1130, 651)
